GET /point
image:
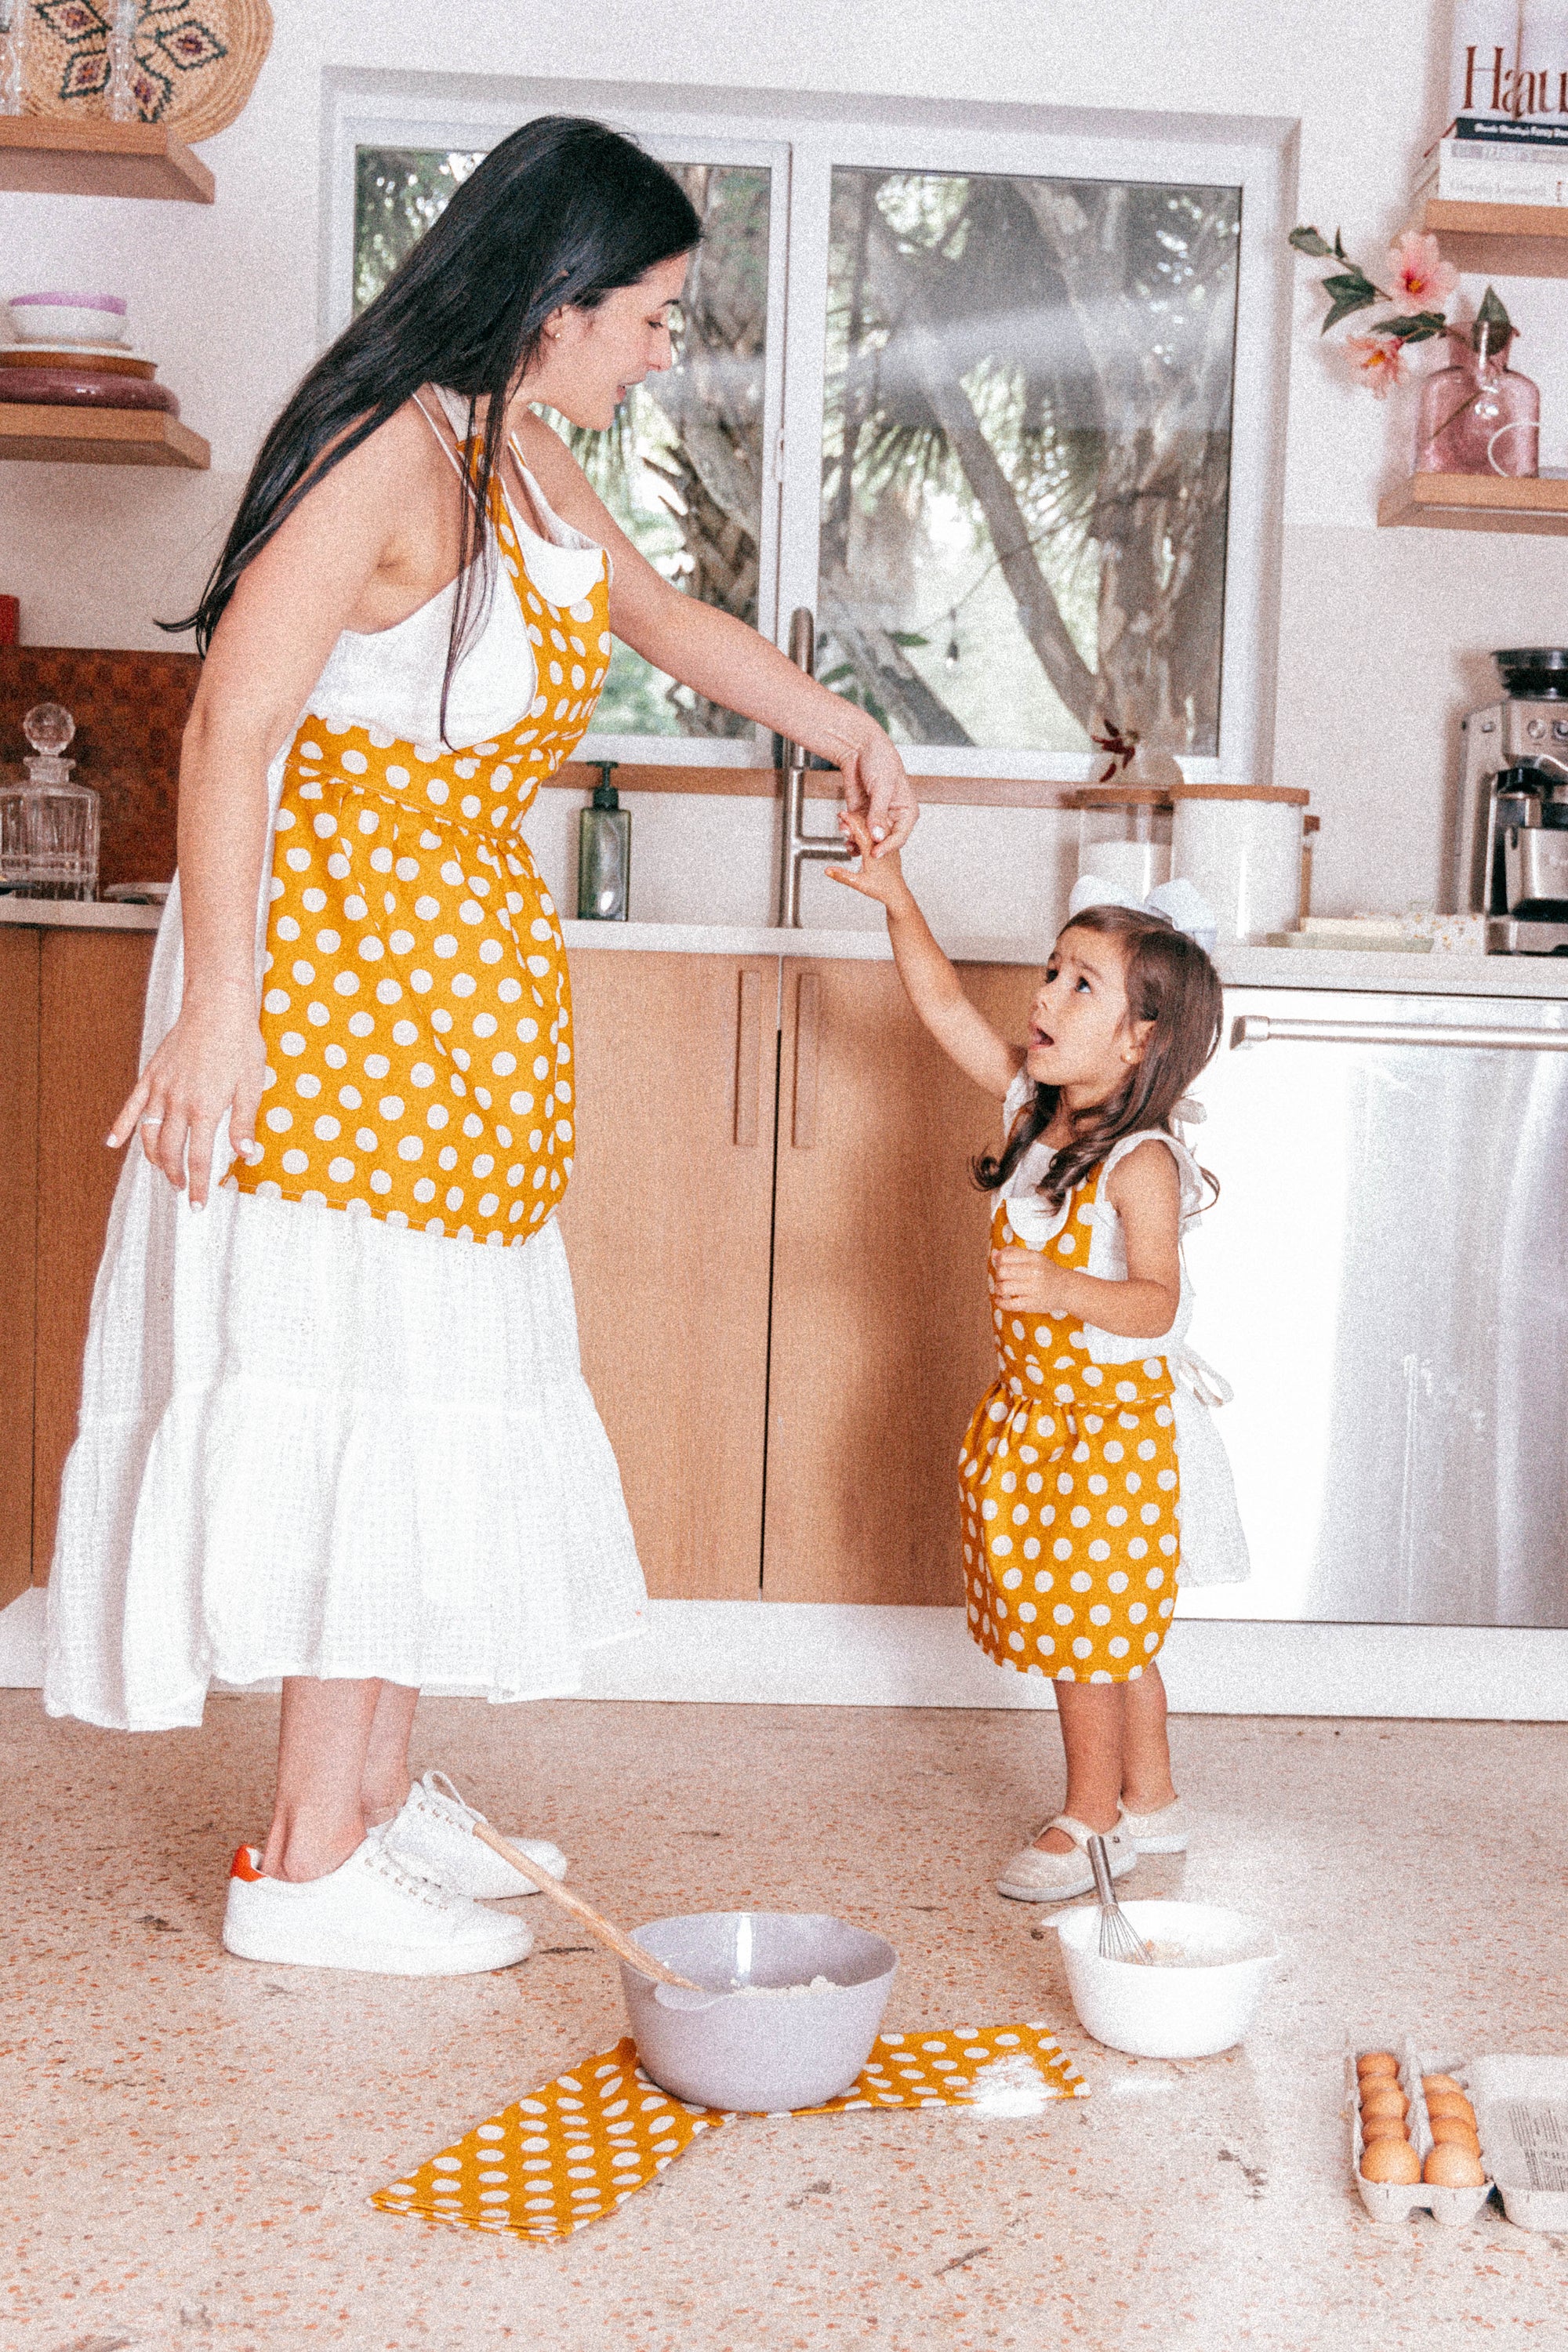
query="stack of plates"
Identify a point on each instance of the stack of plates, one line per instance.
(82, 375)
(53, 364)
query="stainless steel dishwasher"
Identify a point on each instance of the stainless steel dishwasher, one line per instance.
(1385, 1284)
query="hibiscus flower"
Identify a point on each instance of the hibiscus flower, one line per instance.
(1378, 361)
(1421, 276)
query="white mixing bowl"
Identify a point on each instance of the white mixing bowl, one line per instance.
(1169, 2012)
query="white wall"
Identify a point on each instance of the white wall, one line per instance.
(1384, 635)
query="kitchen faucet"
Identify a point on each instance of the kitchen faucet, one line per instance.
(799, 847)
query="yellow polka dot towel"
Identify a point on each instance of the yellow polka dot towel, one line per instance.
(587, 2141)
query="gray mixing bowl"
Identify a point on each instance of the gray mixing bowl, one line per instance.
(761, 2055)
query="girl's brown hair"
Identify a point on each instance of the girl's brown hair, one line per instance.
(1171, 983)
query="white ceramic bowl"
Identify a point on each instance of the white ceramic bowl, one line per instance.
(68, 317)
(757, 2051)
(1169, 2012)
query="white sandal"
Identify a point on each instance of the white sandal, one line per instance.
(1164, 1831)
(1035, 1876)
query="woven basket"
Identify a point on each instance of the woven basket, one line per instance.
(197, 60)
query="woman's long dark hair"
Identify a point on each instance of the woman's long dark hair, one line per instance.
(1170, 981)
(560, 215)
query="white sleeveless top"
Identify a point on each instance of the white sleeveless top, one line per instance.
(391, 678)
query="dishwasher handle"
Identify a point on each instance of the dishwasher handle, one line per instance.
(1265, 1028)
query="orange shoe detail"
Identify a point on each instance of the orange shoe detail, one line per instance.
(242, 1866)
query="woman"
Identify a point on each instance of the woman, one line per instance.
(333, 1427)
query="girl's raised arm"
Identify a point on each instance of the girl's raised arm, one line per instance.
(931, 983)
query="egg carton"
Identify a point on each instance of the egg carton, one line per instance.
(1394, 2201)
(1521, 2122)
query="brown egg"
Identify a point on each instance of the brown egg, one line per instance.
(1385, 2099)
(1450, 2103)
(1451, 2167)
(1391, 2159)
(1430, 2082)
(1376, 2062)
(1449, 2132)
(1385, 2128)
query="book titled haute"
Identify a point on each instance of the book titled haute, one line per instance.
(1506, 140)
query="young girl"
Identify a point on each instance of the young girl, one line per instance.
(1069, 1476)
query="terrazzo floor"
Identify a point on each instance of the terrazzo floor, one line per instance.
(189, 2140)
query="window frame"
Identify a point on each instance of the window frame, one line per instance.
(800, 137)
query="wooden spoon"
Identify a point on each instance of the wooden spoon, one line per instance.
(585, 1916)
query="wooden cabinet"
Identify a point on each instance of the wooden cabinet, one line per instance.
(777, 1253)
(801, 1313)
(881, 1338)
(18, 1249)
(666, 1224)
(71, 1004)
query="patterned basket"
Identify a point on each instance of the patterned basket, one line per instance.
(197, 60)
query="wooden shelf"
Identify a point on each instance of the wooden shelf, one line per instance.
(43, 156)
(821, 784)
(99, 436)
(1501, 240)
(1476, 502)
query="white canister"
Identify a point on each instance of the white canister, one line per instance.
(1240, 845)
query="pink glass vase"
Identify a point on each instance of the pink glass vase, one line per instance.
(1478, 415)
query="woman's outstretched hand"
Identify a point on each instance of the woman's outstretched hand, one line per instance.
(212, 1061)
(879, 876)
(876, 788)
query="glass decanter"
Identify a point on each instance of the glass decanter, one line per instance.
(13, 56)
(1477, 414)
(49, 825)
(123, 104)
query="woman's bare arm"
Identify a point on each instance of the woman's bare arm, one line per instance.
(721, 657)
(342, 554)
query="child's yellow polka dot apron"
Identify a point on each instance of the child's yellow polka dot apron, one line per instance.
(1069, 1485)
(416, 1008)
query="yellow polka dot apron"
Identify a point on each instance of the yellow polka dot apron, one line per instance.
(1069, 1482)
(416, 1007)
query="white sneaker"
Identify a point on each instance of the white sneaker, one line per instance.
(1035, 1876)
(1164, 1831)
(434, 1832)
(373, 1912)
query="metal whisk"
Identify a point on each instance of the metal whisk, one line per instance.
(1119, 1939)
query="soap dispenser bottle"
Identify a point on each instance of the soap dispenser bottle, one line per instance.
(603, 853)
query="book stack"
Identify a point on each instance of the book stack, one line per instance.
(1507, 139)
(1488, 163)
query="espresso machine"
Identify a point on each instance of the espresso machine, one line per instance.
(1512, 845)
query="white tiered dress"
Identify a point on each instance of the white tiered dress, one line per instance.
(314, 1444)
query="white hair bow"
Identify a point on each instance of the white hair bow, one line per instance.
(1182, 903)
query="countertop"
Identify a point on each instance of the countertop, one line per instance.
(1541, 977)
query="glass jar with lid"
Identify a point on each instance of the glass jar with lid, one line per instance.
(1124, 835)
(48, 824)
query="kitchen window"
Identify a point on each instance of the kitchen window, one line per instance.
(997, 391)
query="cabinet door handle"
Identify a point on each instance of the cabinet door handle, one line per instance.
(1260, 1028)
(748, 1057)
(807, 1022)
